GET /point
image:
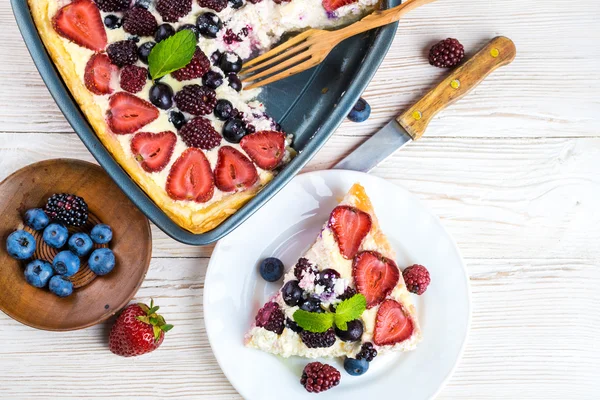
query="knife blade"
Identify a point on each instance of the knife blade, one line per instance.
(411, 124)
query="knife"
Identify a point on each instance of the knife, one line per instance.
(411, 125)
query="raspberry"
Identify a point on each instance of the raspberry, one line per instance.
(172, 10)
(197, 68)
(112, 5)
(416, 278)
(196, 99)
(303, 266)
(67, 209)
(348, 293)
(122, 53)
(140, 22)
(200, 133)
(217, 5)
(270, 317)
(446, 53)
(317, 377)
(314, 340)
(133, 78)
(367, 352)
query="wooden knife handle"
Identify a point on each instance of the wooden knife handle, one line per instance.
(498, 52)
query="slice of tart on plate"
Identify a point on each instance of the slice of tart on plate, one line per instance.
(344, 297)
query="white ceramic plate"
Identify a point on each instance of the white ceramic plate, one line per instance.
(287, 226)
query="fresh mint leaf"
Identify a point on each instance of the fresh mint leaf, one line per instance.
(313, 322)
(172, 53)
(349, 310)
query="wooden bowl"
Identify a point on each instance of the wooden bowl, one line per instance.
(95, 298)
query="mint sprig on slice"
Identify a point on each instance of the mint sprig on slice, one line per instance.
(348, 310)
(172, 53)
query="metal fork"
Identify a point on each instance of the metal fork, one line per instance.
(310, 48)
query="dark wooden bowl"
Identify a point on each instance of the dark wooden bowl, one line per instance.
(95, 298)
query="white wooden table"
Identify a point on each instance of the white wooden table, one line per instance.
(513, 171)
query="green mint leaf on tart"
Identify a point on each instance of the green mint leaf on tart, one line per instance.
(313, 322)
(349, 310)
(172, 53)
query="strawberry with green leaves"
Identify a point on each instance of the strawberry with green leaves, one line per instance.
(138, 330)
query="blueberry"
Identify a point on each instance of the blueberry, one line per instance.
(234, 82)
(101, 234)
(212, 79)
(164, 31)
(236, 4)
(144, 51)
(161, 95)
(190, 27)
(360, 112)
(135, 39)
(209, 25)
(271, 269)
(230, 62)
(111, 21)
(353, 333)
(312, 304)
(327, 279)
(224, 110)
(60, 286)
(38, 273)
(143, 3)
(55, 235)
(214, 57)
(234, 130)
(102, 261)
(36, 219)
(292, 293)
(20, 245)
(66, 263)
(291, 324)
(177, 119)
(80, 244)
(356, 367)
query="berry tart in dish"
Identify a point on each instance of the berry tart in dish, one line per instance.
(157, 80)
(345, 297)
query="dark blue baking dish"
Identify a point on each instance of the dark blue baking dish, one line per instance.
(310, 105)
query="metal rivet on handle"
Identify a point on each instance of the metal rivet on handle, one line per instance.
(417, 115)
(455, 84)
(494, 52)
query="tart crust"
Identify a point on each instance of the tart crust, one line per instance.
(195, 221)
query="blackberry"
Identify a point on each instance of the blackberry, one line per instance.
(348, 293)
(172, 10)
(291, 324)
(197, 67)
(416, 278)
(67, 209)
(314, 340)
(133, 78)
(271, 318)
(446, 54)
(139, 21)
(318, 377)
(367, 352)
(196, 99)
(112, 5)
(303, 266)
(199, 133)
(122, 53)
(217, 5)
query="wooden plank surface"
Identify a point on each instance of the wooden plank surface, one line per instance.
(513, 171)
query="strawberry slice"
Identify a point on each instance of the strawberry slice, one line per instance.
(350, 226)
(128, 113)
(234, 170)
(191, 177)
(332, 5)
(392, 325)
(153, 150)
(98, 74)
(375, 276)
(265, 148)
(80, 22)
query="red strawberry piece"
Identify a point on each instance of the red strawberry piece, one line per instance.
(98, 74)
(128, 113)
(80, 22)
(350, 226)
(332, 5)
(265, 148)
(392, 325)
(191, 177)
(234, 170)
(138, 330)
(375, 276)
(153, 150)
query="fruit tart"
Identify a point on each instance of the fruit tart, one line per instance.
(157, 80)
(344, 297)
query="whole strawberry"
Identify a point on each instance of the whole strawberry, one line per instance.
(138, 330)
